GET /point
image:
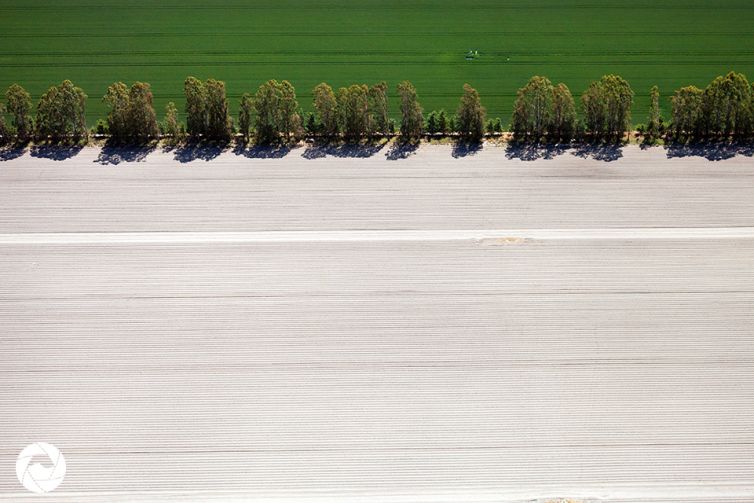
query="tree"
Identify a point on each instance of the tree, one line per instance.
(326, 107)
(353, 108)
(727, 106)
(290, 120)
(19, 106)
(607, 107)
(266, 107)
(172, 127)
(276, 111)
(311, 125)
(471, 115)
(532, 111)
(142, 119)
(442, 122)
(117, 99)
(218, 124)
(595, 110)
(653, 120)
(379, 117)
(100, 127)
(453, 124)
(619, 98)
(412, 119)
(563, 119)
(132, 116)
(4, 133)
(688, 112)
(432, 123)
(61, 113)
(196, 107)
(489, 126)
(245, 114)
(751, 110)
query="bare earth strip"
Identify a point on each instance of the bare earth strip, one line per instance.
(563, 328)
(429, 190)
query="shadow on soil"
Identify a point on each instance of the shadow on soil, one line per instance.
(606, 152)
(401, 150)
(532, 151)
(712, 151)
(55, 152)
(117, 153)
(10, 152)
(262, 151)
(463, 148)
(318, 150)
(203, 151)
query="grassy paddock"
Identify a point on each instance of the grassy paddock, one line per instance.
(665, 42)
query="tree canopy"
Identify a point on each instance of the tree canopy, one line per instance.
(4, 136)
(19, 106)
(471, 115)
(132, 117)
(412, 119)
(727, 106)
(563, 117)
(353, 110)
(276, 111)
(61, 113)
(326, 107)
(171, 126)
(532, 112)
(653, 119)
(723, 109)
(207, 114)
(542, 108)
(196, 106)
(379, 116)
(245, 115)
(607, 107)
(218, 119)
(688, 112)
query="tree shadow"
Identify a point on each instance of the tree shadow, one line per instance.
(402, 150)
(204, 151)
(710, 150)
(606, 152)
(262, 151)
(10, 152)
(169, 147)
(55, 152)
(318, 150)
(531, 151)
(113, 153)
(464, 148)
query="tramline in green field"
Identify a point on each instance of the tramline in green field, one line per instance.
(669, 43)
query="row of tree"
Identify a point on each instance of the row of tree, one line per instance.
(271, 114)
(725, 108)
(354, 112)
(60, 113)
(546, 110)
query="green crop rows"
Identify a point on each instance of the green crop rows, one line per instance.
(665, 42)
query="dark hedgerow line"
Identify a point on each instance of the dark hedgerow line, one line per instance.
(542, 111)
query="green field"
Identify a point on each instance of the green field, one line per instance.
(665, 42)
